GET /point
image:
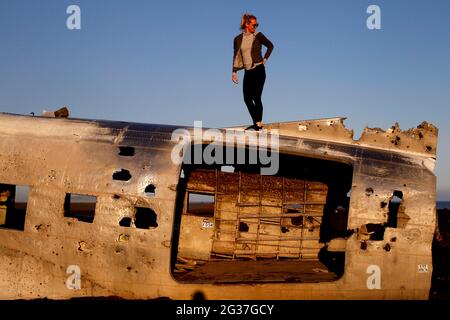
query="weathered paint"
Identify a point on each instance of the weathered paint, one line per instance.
(59, 156)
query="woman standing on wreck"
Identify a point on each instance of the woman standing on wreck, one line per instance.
(247, 55)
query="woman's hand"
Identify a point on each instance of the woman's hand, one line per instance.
(234, 78)
(264, 61)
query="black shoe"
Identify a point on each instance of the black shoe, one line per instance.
(254, 127)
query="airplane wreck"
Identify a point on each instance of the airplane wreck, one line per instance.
(341, 218)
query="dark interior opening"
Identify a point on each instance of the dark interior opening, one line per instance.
(150, 190)
(397, 218)
(122, 175)
(125, 222)
(145, 218)
(13, 206)
(80, 207)
(264, 228)
(126, 151)
(396, 214)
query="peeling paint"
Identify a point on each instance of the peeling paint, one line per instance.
(57, 156)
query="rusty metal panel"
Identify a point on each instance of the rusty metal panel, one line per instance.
(56, 156)
(263, 216)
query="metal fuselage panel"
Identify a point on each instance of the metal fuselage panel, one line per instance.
(58, 156)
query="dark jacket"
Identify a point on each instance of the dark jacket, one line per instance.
(259, 40)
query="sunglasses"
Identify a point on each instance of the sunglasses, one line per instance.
(256, 25)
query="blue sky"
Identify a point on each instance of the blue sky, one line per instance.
(170, 62)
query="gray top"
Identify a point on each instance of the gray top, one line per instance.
(246, 48)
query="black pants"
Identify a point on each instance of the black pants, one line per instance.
(253, 87)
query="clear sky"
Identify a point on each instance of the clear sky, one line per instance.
(170, 62)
